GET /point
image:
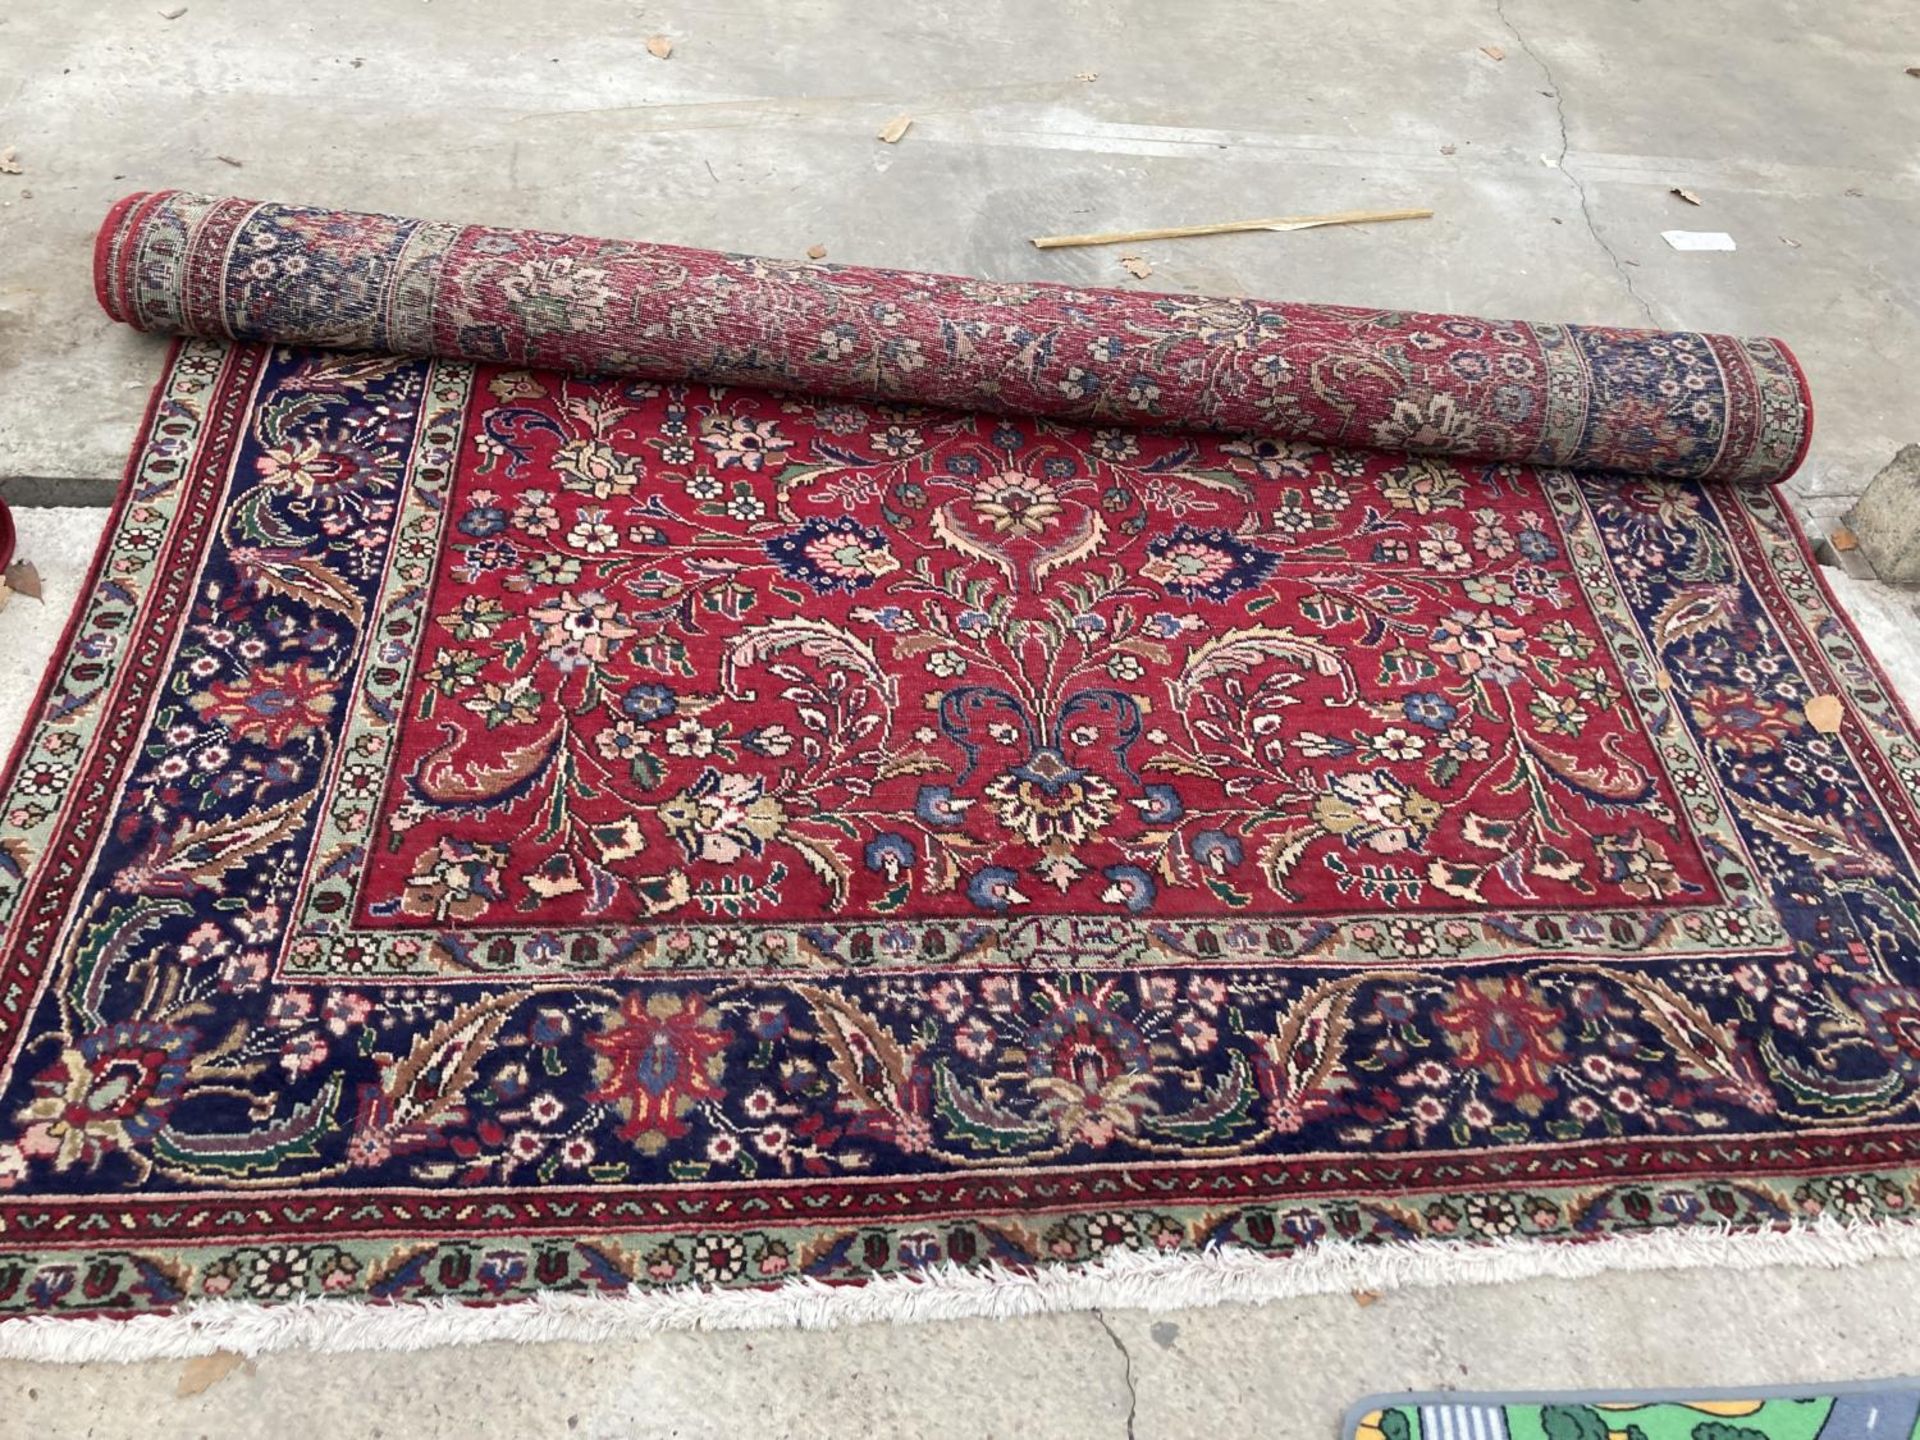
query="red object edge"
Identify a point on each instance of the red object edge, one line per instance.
(112, 290)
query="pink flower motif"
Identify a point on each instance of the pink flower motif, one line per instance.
(739, 441)
(345, 1010)
(949, 999)
(1158, 991)
(1207, 992)
(301, 1053)
(975, 1039)
(1000, 992)
(1479, 643)
(204, 944)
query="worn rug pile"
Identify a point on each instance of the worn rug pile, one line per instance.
(686, 789)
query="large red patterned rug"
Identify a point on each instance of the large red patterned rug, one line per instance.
(499, 833)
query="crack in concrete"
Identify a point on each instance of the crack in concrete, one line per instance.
(1133, 1394)
(1560, 161)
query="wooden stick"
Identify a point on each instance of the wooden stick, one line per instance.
(1181, 232)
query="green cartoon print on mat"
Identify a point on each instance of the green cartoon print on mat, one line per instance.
(1852, 1415)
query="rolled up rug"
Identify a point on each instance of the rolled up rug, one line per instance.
(1650, 402)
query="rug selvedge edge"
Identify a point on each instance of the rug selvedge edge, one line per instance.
(1424, 1230)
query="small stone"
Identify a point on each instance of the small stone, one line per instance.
(1885, 521)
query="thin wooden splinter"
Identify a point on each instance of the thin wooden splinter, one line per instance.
(1228, 227)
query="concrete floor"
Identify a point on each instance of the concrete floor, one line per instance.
(1550, 170)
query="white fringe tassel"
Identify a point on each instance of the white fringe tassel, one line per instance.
(1119, 1280)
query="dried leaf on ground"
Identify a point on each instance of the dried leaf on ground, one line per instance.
(659, 46)
(9, 164)
(1844, 539)
(1793, 244)
(1136, 266)
(1686, 195)
(23, 578)
(1493, 52)
(229, 160)
(1364, 1298)
(1448, 149)
(1823, 713)
(1087, 77)
(203, 1372)
(816, 252)
(891, 132)
(1914, 70)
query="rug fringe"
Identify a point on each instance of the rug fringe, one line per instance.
(1120, 1280)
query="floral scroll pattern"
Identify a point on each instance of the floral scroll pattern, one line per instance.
(698, 654)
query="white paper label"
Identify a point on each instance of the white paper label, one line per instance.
(1698, 239)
